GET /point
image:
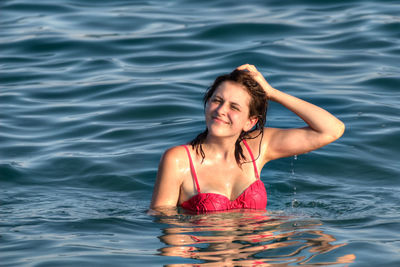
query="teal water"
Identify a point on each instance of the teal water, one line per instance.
(92, 93)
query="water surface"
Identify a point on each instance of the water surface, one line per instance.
(92, 94)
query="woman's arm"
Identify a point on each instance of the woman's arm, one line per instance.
(169, 179)
(323, 128)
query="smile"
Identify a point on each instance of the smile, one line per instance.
(216, 119)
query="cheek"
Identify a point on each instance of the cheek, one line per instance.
(242, 119)
(208, 112)
(238, 117)
(208, 109)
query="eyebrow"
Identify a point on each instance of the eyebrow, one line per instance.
(232, 103)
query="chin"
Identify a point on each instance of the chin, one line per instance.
(216, 132)
(222, 133)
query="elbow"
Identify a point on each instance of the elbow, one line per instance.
(333, 134)
(338, 131)
(341, 129)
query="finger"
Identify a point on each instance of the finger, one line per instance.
(252, 68)
(248, 67)
(243, 67)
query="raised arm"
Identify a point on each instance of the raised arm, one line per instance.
(169, 179)
(323, 128)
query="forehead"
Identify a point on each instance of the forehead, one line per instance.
(233, 92)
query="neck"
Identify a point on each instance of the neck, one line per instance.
(220, 148)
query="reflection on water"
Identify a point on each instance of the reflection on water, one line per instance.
(248, 238)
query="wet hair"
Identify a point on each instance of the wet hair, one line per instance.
(257, 108)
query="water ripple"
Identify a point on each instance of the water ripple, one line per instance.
(92, 93)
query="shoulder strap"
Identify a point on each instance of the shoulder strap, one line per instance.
(192, 168)
(252, 158)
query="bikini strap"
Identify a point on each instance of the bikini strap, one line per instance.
(192, 168)
(252, 158)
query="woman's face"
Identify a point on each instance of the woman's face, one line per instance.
(227, 111)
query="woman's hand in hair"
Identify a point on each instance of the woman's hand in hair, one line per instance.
(259, 78)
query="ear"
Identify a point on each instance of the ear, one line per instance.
(250, 123)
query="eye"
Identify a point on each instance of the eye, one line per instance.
(216, 100)
(234, 107)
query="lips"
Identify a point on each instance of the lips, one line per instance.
(219, 120)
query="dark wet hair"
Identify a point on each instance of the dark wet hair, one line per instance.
(258, 108)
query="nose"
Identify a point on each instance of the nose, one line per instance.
(222, 108)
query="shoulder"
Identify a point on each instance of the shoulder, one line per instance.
(170, 175)
(173, 165)
(264, 137)
(259, 143)
(174, 158)
(257, 137)
(174, 154)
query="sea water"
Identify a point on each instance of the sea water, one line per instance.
(93, 92)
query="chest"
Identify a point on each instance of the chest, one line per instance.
(228, 180)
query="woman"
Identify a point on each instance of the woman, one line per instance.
(219, 170)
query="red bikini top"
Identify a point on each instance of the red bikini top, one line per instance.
(253, 197)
